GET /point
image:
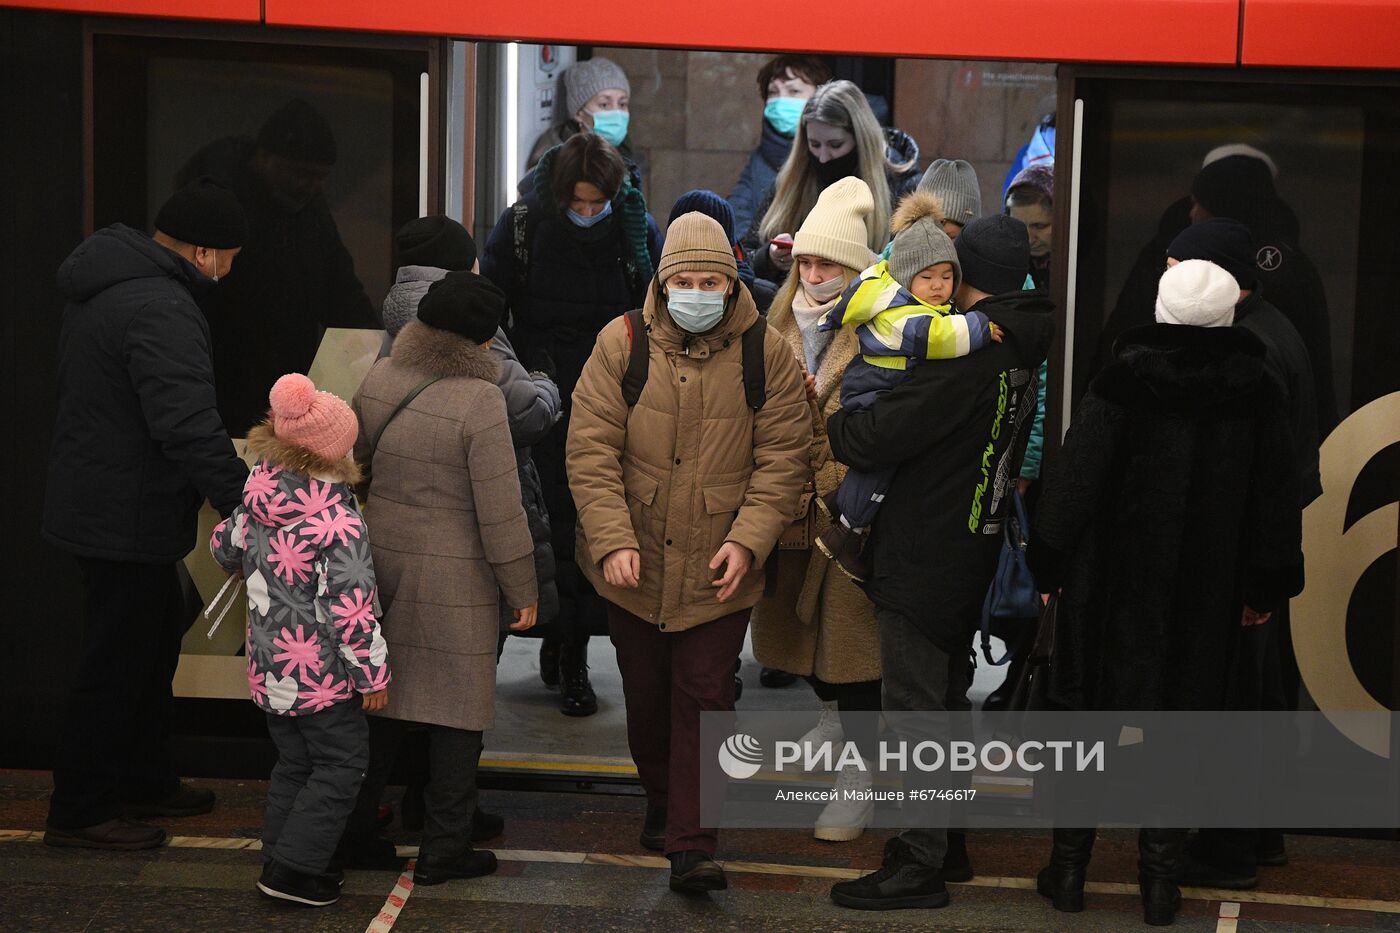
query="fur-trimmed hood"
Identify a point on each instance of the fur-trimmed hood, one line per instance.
(264, 444)
(444, 354)
(1172, 368)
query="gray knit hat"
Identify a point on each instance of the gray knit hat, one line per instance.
(919, 240)
(587, 78)
(955, 183)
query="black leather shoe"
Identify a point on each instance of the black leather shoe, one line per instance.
(694, 872)
(1063, 879)
(772, 677)
(578, 698)
(549, 662)
(654, 830)
(901, 883)
(957, 866)
(114, 835)
(486, 826)
(472, 863)
(1270, 851)
(184, 801)
(372, 854)
(1199, 873)
(284, 884)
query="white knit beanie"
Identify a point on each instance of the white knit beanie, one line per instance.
(1197, 293)
(835, 229)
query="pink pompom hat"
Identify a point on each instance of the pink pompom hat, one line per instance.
(305, 417)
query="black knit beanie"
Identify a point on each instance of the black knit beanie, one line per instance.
(437, 241)
(204, 214)
(298, 131)
(995, 254)
(1227, 243)
(464, 303)
(707, 203)
(1239, 187)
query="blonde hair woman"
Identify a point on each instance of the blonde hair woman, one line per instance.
(837, 137)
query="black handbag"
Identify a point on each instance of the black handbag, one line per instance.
(1012, 599)
(1030, 689)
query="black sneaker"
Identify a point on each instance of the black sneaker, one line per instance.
(654, 830)
(183, 801)
(286, 884)
(901, 883)
(486, 826)
(472, 863)
(694, 872)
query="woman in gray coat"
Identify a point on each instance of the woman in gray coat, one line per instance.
(450, 537)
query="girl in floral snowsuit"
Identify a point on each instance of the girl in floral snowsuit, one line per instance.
(316, 658)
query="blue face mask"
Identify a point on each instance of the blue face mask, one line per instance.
(611, 125)
(784, 113)
(587, 222)
(695, 311)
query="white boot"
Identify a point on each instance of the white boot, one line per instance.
(827, 729)
(845, 819)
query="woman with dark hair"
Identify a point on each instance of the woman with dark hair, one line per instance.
(573, 253)
(837, 136)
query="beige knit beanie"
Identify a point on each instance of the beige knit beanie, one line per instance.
(696, 242)
(835, 229)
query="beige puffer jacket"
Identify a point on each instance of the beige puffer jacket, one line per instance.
(690, 467)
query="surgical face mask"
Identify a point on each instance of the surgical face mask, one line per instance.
(611, 125)
(825, 291)
(695, 311)
(587, 222)
(784, 113)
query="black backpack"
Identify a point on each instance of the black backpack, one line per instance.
(634, 379)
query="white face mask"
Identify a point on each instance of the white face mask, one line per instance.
(695, 311)
(825, 291)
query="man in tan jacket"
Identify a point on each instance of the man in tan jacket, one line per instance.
(681, 497)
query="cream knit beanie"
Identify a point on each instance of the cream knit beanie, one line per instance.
(835, 229)
(1197, 293)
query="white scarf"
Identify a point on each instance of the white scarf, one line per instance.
(807, 314)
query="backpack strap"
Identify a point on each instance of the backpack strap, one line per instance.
(520, 241)
(755, 368)
(412, 394)
(634, 380)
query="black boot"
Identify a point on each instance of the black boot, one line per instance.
(1221, 858)
(1063, 879)
(549, 661)
(694, 872)
(472, 863)
(901, 882)
(486, 826)
(1270, 851)
(1159, 856)
(654, 829)
(957, 866)
(578, 698)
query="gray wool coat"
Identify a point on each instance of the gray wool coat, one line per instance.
(449, 532)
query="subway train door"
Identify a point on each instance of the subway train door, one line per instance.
(330, 143)
(1313, 156)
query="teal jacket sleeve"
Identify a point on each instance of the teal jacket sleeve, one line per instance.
(1030, 466)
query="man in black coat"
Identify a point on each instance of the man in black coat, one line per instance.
(138, 446)
(295, 277)
(955, 432)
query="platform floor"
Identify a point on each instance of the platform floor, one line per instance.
(571, 861)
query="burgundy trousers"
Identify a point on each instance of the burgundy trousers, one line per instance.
(668, 680)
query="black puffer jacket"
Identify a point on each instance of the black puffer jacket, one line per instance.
(901, 149)
(1171, 505)
(955, 433)
(137, 443)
